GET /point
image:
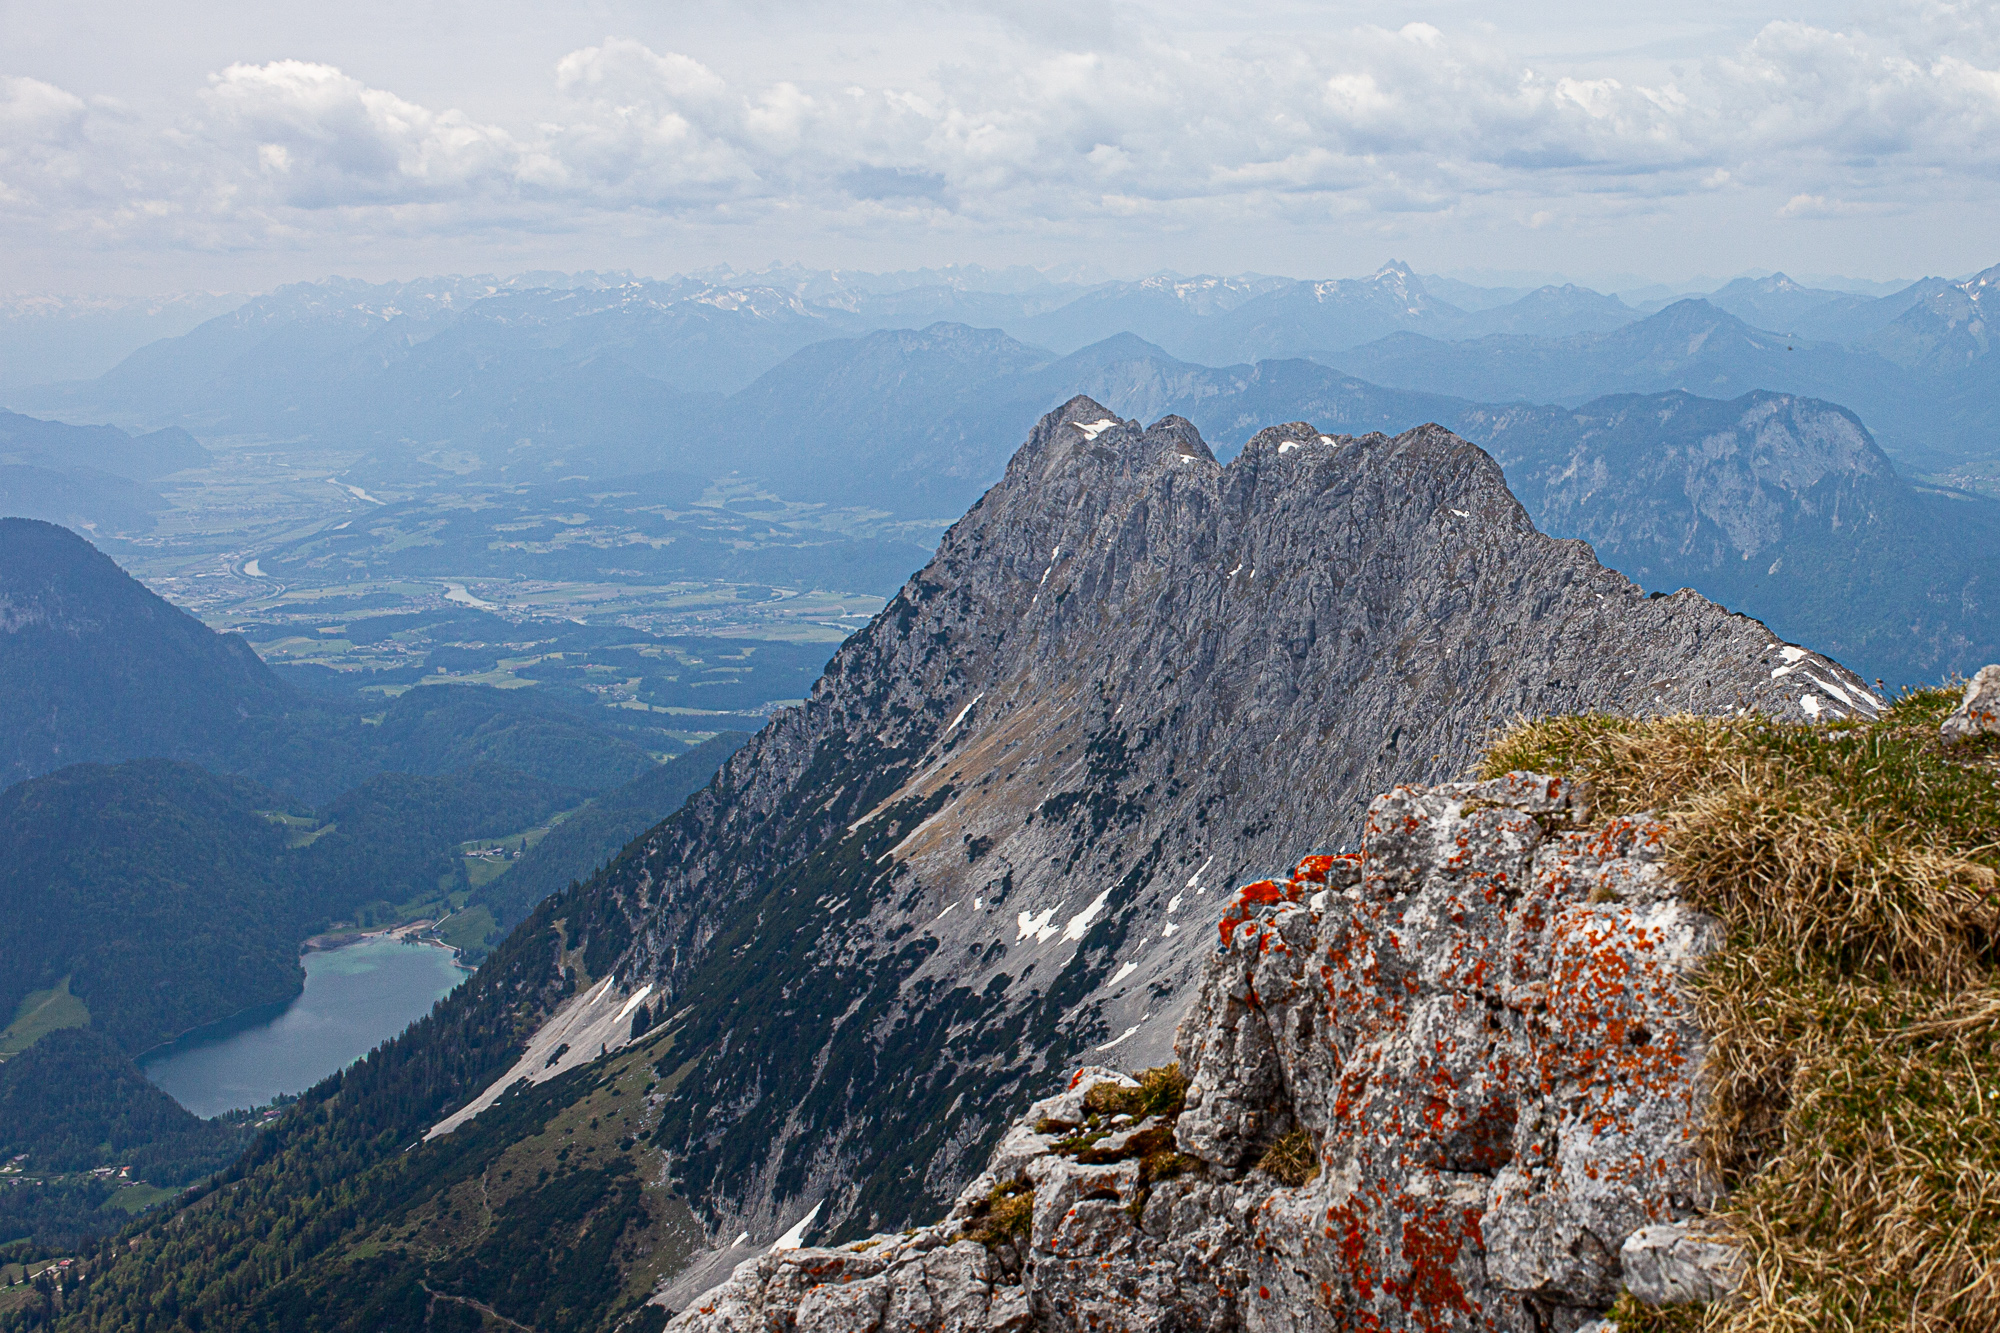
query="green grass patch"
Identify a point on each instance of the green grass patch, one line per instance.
(139, 1196)
(1162, 1091)
(1293, 1159)
(42, 1012)
(1854, 1017)
(300, 830)
(1005, 1218)
(468, 929)
(483, 870)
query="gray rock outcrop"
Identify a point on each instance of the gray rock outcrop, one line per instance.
(1449, 1082)
(1978, 713)
(1681, 1263)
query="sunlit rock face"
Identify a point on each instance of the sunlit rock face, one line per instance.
(1436, 1084)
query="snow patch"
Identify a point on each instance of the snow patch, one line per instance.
(1092, 429)
(1836, 692)
(1288, 446)
(1174, 903)
(1121, 1037)
(1123, 973)
(1792, 653)
(794, 1238)
(963, 711)
(1167, 930)
(1040, 925)
(1197, 874)
(945, 913)
(1810, 702)
(638, 998)
(1079, 924)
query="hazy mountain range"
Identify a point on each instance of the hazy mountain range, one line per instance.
(559, 363)
(1823, 541)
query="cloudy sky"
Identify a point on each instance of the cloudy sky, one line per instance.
(228, 144)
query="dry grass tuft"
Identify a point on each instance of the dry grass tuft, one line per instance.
(1292, 1159)
(1007, 1216)
(1854, 1019)
(1632, 1317)
(1162, 1091)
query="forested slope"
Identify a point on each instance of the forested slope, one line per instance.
(592, 836)
(155, 888)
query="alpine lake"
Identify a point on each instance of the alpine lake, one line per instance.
(356, 997)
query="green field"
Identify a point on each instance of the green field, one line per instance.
(467, 930)
(300, 830)
(40, 1014)
(15, 1274)
(140, 1195)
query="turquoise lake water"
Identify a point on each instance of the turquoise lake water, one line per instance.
(356, 998)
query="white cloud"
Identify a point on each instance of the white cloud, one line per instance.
(319, 138)
(1138, 126)
(1818, 206)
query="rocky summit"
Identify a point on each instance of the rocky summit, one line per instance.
(999, 838)
(1449, 1082)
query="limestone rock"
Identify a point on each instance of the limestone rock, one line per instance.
(1478, 1021)
(1979, 711)
(1681, 1263)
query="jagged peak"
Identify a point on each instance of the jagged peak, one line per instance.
(1084, 429)
(1085, 436)
(1085, 415)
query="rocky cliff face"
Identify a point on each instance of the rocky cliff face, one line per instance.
(1780, 506)
(1679, 485)
(1001, 834)
(1449, 1082)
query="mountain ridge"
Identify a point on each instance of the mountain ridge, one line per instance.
(906, 773)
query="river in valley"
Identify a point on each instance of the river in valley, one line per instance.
(356, 997)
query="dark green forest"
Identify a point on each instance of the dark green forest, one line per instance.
(73, 1102)
(169, 898)
(395, 837)
(157, 889)
(575, 848)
